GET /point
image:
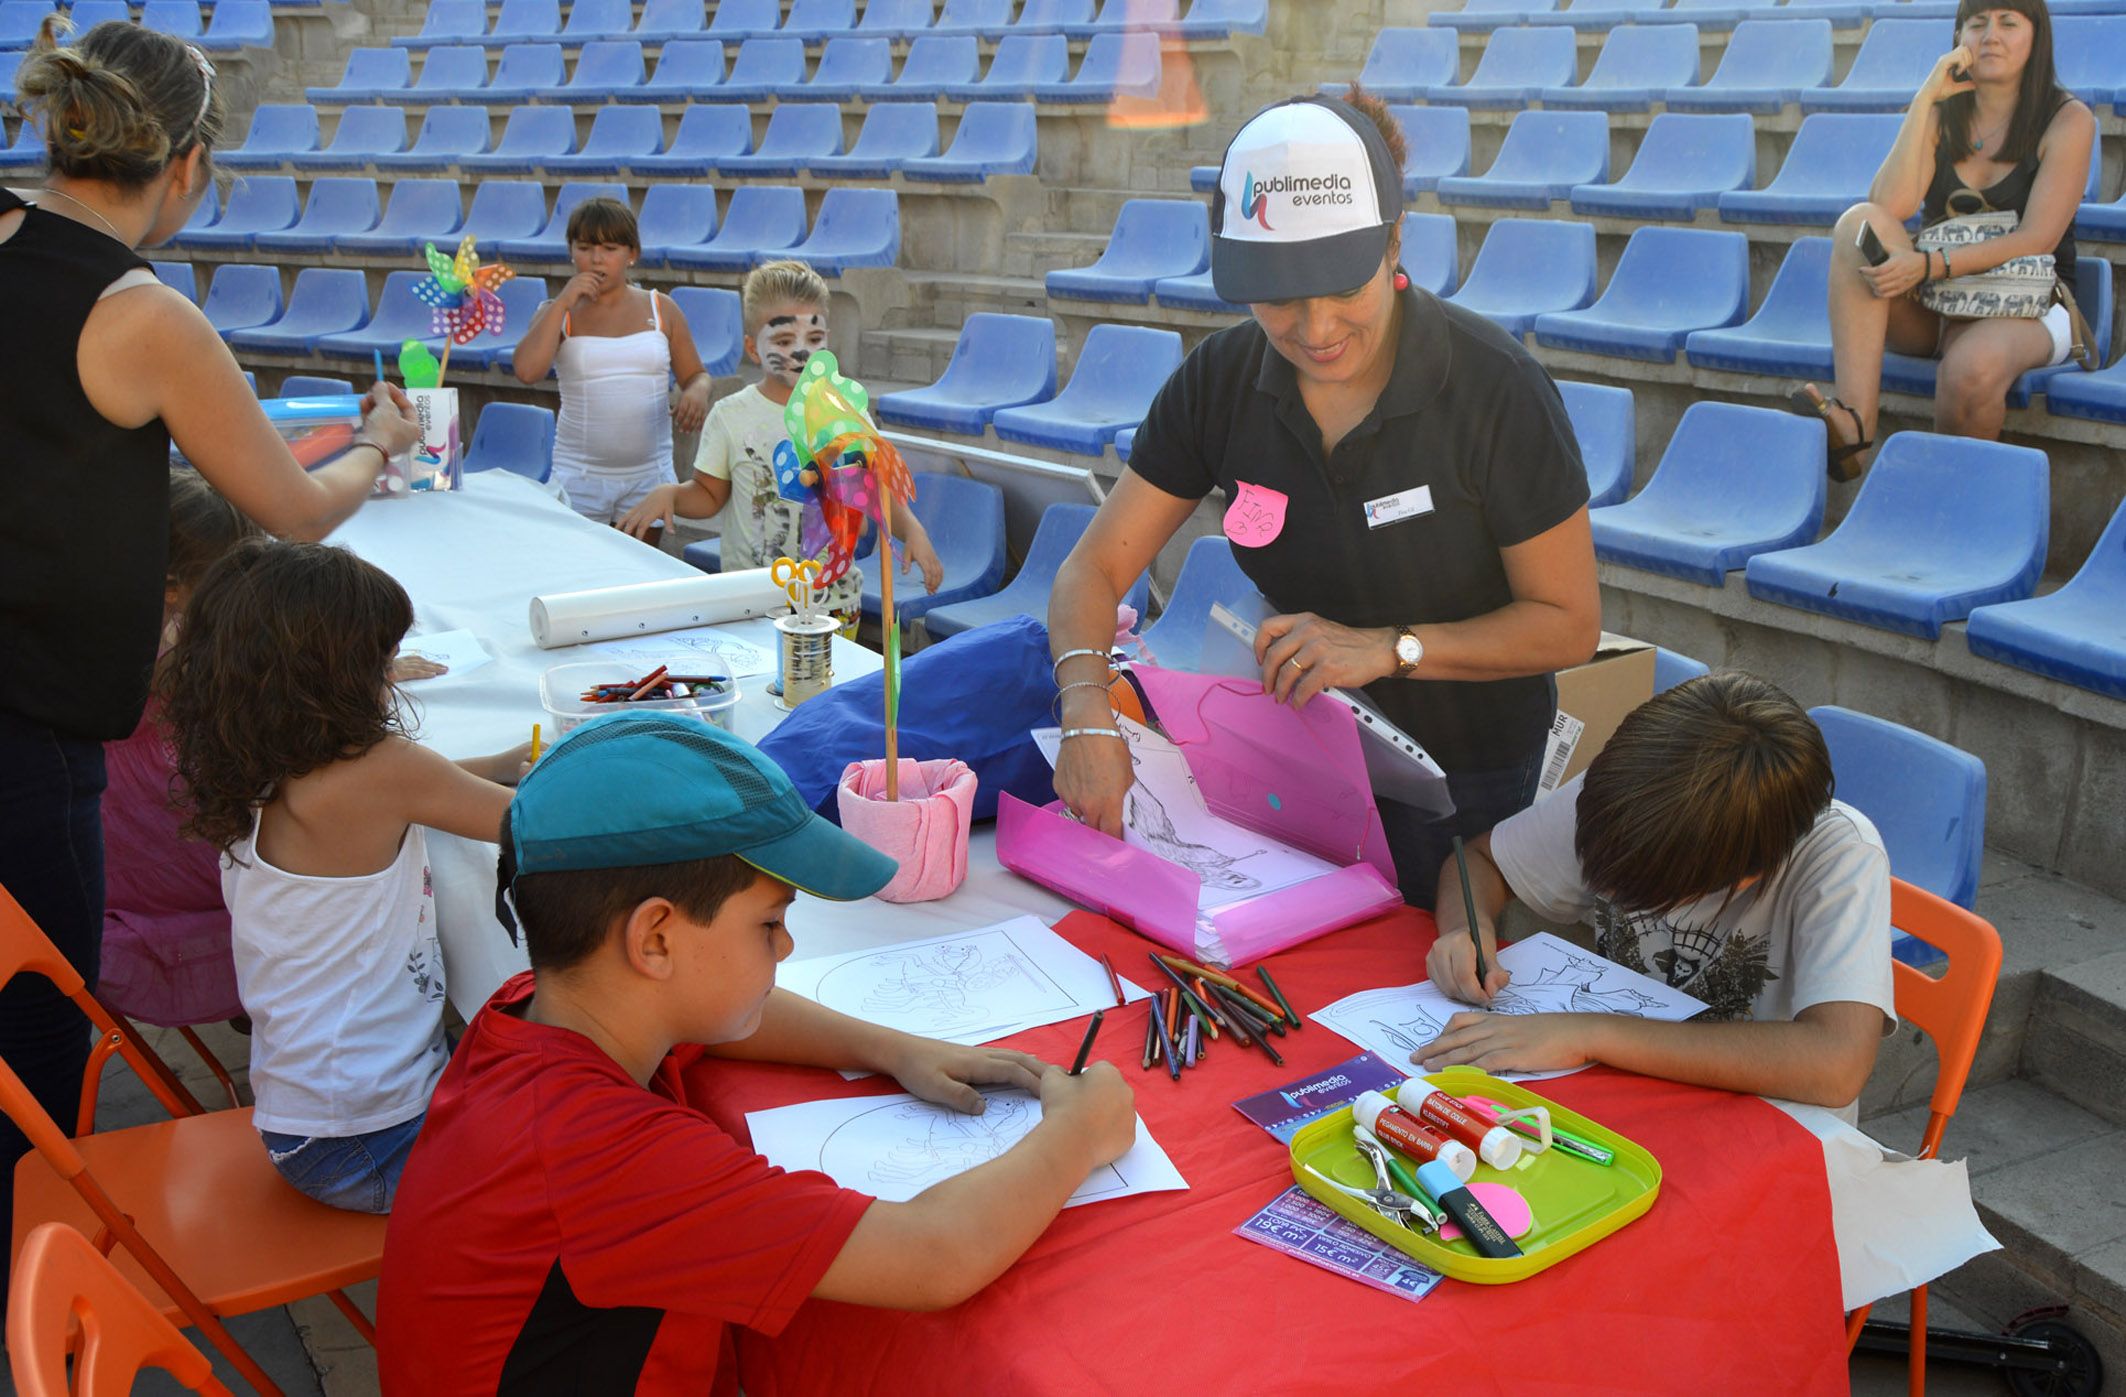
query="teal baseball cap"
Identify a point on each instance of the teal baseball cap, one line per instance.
(629, 789)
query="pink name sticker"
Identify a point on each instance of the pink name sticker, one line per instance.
(1256, 515)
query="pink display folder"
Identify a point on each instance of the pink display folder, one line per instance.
(1296, 775)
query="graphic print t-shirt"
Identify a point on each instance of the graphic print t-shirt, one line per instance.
(759, 525)
(1816, 933)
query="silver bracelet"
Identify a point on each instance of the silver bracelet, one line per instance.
(1090, 732)
(1056, 667)
(1080, 684)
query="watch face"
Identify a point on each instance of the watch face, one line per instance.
(1409, 649)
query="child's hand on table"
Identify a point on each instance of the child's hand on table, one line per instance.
(919, 553)
(409, 665)
(1096, 1103)
(948, 1074)
(1518, 1042)
(1451, 965)
(656, 507)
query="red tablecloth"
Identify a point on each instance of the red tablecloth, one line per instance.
(1729, 1284)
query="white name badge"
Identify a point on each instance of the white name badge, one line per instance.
(1404, 504)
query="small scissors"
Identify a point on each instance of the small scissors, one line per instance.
(1399, 1208)
(799, 580)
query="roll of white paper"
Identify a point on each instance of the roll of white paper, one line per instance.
(644, 608)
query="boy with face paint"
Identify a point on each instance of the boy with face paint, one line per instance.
(785, 307)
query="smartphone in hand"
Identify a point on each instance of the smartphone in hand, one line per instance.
(1871, 246)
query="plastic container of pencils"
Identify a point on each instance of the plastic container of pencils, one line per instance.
(562, 689)
(1575, 1202)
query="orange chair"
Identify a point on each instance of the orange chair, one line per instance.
(1950, 1009)
(206, 1227)
(64, 1287)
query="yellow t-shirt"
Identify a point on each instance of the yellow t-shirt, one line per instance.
(759, 525)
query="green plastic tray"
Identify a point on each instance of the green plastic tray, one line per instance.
(1575, 1203)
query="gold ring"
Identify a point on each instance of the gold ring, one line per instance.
(1294, 662)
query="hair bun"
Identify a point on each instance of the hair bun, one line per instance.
(96, 115)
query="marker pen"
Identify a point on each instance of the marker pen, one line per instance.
(1494, 1144)
(1399, 1128)
(1455, 1199)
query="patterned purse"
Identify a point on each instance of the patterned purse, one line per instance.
(2021, 288)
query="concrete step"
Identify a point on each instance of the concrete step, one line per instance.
(905, 356)
(1087, 210)
(945, 299)
(2077, 1038)
(1037, 254)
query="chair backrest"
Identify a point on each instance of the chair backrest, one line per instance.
(527, 19)
(712, 129)
(595, 19)
(452, 67)
(1029, 58)
(1896, 55)
(696, 62)
(820, 16)
(999, 355)
(993, 131)
(629, 130)
(1545, 55)
(763, 215)
(261, 202)
(311, 386)
(378, 68)
(1709, 149)
(455, 19)
(895, 16)
(672, 17)
(1926, 798)
(1836, 151)
(506, 208)
(803, 128)
(899, 129)
(2088, 50)
(516, 437)
(62, 1283)
(538, 131)
(1950, 1008)
(370, 131)
(1172, 236)
(716, 319)
(741, 16)
(609, 63)
(282, 126)
(341, 204)
(1705, 270)
(1730, 464)
(1128, 59)
(1431, 251)
(529, 67)
(1671, 669)
(674, 215)
(1987, 501)
(940, 58)
(974, 14)
(241, 294)
(850, 59)
(1120, 368)
(1546, 146)
(574, 192)
(1647, 55)
(423, 208)
(769, 61)
(178, 18)
(1604, 421)
(179, 277)
(1776, 53)
(1518, 252)
(1209, 574)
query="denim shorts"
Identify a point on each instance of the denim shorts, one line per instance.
(357, 1172)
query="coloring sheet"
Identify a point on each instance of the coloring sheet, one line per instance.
(964, 987)
(710, 648)
(460, 651)
(1550, 976)
(894, 1147)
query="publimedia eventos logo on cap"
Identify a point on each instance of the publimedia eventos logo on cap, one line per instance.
(1302, 190)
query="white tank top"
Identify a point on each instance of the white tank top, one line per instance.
(616, 410)
(343, 980)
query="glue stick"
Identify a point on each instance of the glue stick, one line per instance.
(1404, 1131)
(1495, 1144)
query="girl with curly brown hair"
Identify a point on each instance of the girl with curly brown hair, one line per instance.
(293, 756)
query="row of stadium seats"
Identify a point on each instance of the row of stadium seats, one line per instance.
(1483, 16)
(218, 26)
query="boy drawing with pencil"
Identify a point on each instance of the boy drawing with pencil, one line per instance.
(570, 1220)
(1704, 846)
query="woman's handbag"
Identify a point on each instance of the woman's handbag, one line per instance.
(2021, 288)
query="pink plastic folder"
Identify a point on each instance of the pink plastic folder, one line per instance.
(1297, 776)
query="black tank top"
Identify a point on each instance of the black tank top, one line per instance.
(2010, 191)
(84, 532)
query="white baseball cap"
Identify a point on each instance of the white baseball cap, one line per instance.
(1307, 199)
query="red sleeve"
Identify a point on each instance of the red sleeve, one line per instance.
(658, 1207)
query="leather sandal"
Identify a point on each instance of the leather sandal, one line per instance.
(1809, 401)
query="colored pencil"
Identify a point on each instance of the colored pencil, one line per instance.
(1195, 1040)
(1461, 867)
(1203, 992)
(1092, 1031)
(1282, 1002)
(1179, 984)
(1219, 977)
(1114, 981)
(1151, 1027)
(1262, 1039)
(1166, 1047)
(1240, 1025)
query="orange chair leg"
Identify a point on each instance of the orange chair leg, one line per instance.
(1853, 1322)
(213, 1063)
(1916, 1372)
(354, 1314)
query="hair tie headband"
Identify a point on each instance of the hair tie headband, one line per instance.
(206, 86)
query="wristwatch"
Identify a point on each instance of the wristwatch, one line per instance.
(1409, 651)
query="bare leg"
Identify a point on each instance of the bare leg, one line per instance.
(1980, 361)
(1863, 325)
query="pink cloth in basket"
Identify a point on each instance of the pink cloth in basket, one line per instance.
(926, 829)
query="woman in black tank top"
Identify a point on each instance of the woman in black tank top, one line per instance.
(1989, 128)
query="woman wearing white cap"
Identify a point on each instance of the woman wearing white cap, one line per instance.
(1403, 482)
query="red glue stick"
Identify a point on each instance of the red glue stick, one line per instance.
(1494, 1144)
(1404, 1131)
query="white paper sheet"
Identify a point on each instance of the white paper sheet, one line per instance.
(460, 651)
(964, 986)
(1550, 975)
(894, 1147)
(712, 647)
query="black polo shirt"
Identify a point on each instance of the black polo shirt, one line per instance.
(1469, 415)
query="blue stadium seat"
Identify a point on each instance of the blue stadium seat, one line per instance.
(2096, 397)
(1768, 64)
(965, 520)
(1125, 440)
(705, 555)
(279, 131)
(1432, 252)
(994, 138)
(814, 20)
(1941, 525)
(1021, 63)
(530, 138)
(765, 67)
(1733, 482)
(311, 386)
(934, 63)
(1638, 64)
(744, 19)
(589, 21)
(675, 215)
(364, 133)
(524, 72)
(240, 295)
(257, 204)
(1526, 267)
(1062, 525)
(1905, 373)
(1115, 65)
(19, 22)
(759, 218)
(606, 69)
(1842, 14)
(521, 299)
(177, 18)
(179, 277)
(1152, 238)
(1118, 371)
(1671, 669)
(28, 150)
(448, 22)
(686, 69)
(1517, 65)
(339, 205)
(1485, 16)
(515, 437)
(893, 133)
(1209, 574)
(451, 73)
(847, 63)
(2077, 634)
(87, 14)
(666, 20)
(1047, 17)
(1606, 14)
(1685, 163)
(716, 320)
(551, 243)
(1437, 141)
(1724, 14)
(238, 24)
(325, 301)
(709, 133)
(618, 137)
(999, 361)
(503, 209)
(1221, 19)
(896, 19)
(400, 316)
(1826, 171)
(1669, 282)
(972, 17)
(251, 382)
(1790, 335)
(855, 228)
(1926, 798)
(371, 75)
(520, 21)
(1193, 292)
(1605, 423)
(2089, 54)
(205, 216)
(798, 133)
(1404, 64)
(1117, 15)
(1894, 59)
(1544, 155)
(447, 135)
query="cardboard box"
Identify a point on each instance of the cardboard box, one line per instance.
(1592, 699)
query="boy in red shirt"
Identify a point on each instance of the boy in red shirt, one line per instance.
(569, 1221)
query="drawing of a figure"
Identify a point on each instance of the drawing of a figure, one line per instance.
(936, 1144)
(1570, 988)
(1147, 817)
(947, 985)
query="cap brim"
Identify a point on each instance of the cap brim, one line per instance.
(824, 860)
(1244, 271)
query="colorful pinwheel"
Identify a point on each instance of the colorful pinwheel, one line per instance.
(460, 293)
